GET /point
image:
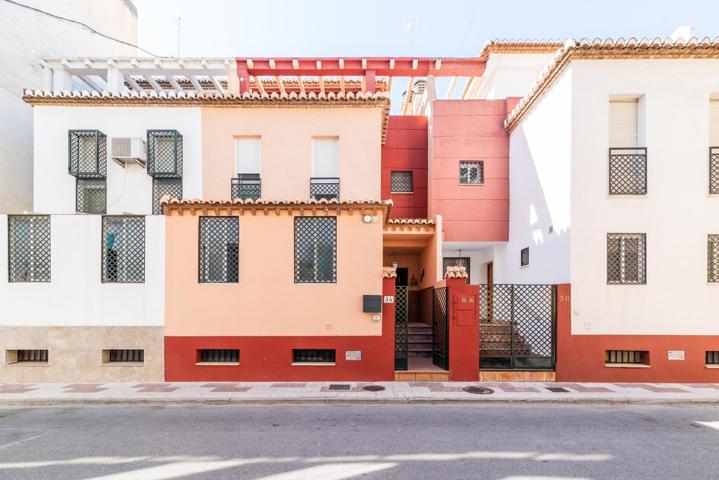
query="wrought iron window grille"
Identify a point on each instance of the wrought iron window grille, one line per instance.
(713, 258)
(402, 182)
(126, 356)
(246, 186)
(524, 257)
(29, 248)
(313, 356)
(471, 173)
(164, 153)
(90, 195)
(123, 249)
(87, 152)
(219, 250)
(628, 171)
(164, 186)
(315, 249)
(626, 259)
(224, 355)
(630, 357)
(714, 170)
(325, 187)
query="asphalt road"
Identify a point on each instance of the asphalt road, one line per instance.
(535, 442)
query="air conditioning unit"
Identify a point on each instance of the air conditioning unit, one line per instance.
(128, 150)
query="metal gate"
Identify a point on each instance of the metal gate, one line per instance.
(440, 328)
(517, 325)
(401, 324)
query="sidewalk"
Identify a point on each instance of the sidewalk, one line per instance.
(353, 392)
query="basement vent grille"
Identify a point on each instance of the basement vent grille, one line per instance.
(633, 357)
(313, 356)
(219, 356)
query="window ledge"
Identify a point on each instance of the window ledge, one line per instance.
(470, 184)
(313, 364)
(711, 365)
(626, 365)
(401, 193)
(217, 364)
(27, 364)
(123, 364)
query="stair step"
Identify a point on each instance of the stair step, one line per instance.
(420, 348)
(420, 354)
(420, 338)
(419, 331)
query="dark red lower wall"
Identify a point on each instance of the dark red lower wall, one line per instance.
(580, 358)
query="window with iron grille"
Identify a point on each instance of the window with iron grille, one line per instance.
(456, 262)
(246, 186)
(123, 249)
(627, 171)
(401, 182)
(626, 258)
(133, 355)
(29, 248)
(31, 356)
(164, 153)
(327, 188)
(633, 357)
(524, 257)
(714, 170)
(313, 356)
(87, 152)
(315, 249)
(90, 195)
(471, 173)
(219, 249)
(219, 356)
(171, 187)
(711, 357)
(713, 258)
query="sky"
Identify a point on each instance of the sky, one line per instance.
(449, 28)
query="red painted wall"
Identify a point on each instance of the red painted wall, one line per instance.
(470, 130)
(463, 330)
(580, 358)
(406, 149)
(270, 358)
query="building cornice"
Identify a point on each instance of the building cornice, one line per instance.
(520, 47)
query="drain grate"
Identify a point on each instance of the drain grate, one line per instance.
(339, 387)
(373, 388)
(478, 390)
(557, 389)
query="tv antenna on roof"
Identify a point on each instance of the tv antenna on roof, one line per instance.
(410, 25)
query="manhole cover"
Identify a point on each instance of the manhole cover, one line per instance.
(557, 389)
(478, 390)
(336, 386)
(373, 388)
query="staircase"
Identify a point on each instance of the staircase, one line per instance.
(496, 340)
(419, 340)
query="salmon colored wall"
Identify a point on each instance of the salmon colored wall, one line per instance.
(580, 358)
(270, 358)
(470, 130)
(406, 149)
(286, 162)
(266, 301)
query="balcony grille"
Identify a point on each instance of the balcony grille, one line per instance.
(627, 171)
(219, 249)
(29, 248)
(219, 356)
(90, 195)
(164, 186)
(313, 356)
(123, 249)
(246, 186)
(401, 182)
(457, 262)
(87, 152)
(315, 249)
(164, 153)
(714, 170)
(713, 258)
(471, 173)
(626, 258)
(32, 356)
(635, 357)
(712, 358)
(325, 187)
(126, 356)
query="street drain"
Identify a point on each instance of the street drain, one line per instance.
(373, 388)
(336, 386)
(557, 389)
(478, 390)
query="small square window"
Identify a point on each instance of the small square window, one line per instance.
(524, 257)
(626, 259)
(401, 182)
(471, 173)
(90, 195)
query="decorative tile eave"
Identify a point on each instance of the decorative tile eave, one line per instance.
(609, 49)
(422, 225)
(520, 47)
(172, 206)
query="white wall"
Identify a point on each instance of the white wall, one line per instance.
(76, 295)
(539, 192)
(25, 38)
(129, 190)
(676, 214)
(511, 75)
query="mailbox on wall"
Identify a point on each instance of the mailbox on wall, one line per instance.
(372, 303)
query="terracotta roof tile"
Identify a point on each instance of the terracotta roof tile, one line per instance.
(456, 272)
(389, 272)
(520, 46)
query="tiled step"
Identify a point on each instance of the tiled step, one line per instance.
(419, 338)
(419, 331)
(412, 354)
